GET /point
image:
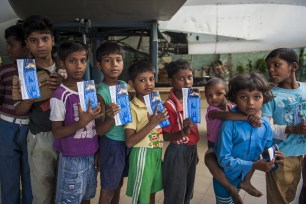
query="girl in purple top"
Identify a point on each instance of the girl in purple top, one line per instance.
(74, 130)
(217, 111)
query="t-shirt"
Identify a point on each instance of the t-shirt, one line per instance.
(175, 112)
(116, 132)
(288, 107)
(64, 107)
(213, 126)
(140, 118)
(40, 112)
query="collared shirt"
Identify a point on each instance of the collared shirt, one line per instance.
(240, 144)
(140, 118)
(175, 112)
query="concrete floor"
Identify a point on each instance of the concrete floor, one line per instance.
(203, 191)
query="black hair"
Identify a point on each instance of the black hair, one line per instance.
(214, 81)
(68, 47)
(109, 47)
(217, 63)
(287, 54)
(15, 31)
(37, 23)
(250, 81)
(138, 68)
(173, 67)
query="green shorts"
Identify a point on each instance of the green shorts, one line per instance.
(145, 173)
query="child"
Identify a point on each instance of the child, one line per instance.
(145, 172)
(239, 144)
(41, 155)
(218, 110)
(113, 151)
(74, 130)
(14, 165)
(288, 112)
(181, 156)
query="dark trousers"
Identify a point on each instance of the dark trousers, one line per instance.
(14, 164)
(179, 171)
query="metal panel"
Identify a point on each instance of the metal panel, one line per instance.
(98, 11)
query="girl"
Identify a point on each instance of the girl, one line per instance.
(217, 111)
(240, 144)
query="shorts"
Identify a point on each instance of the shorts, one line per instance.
(145, 174)
(76, 180)
(113, 162)
(282, 183)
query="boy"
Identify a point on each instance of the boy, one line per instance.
(14, 128)
(74, 130)
(113, 151)
(288, 112)
(182, 151)
(145, 171)
(42, 157)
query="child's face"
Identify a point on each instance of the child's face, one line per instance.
(143, 84)
(279, 70)
(111, 65)
(182, 79)
(15, 50)
(249, 102)
(40, 44)
(75, 65)
(215, 95)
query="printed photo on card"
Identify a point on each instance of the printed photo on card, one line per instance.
(152, 100)
(119, 95)
(28, 77)
(192, 104)
(87, 92)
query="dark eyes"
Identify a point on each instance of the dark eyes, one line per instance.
(83, 61)
(108, 60)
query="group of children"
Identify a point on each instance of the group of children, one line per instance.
(56, 148)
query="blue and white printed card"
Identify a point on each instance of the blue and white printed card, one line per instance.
(119, 95)
(28, 77)
(192, 104)
(152, 100)
(87, 92)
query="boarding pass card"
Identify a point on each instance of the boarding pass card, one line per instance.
(152, 100)
(192, 104)
(87, 92)
(28, 78)
(120, 96)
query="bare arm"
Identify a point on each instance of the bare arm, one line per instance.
(23, 107)
(59, 130)
(168, 136)
(226, 115)
(296, 129)
(132, 137)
